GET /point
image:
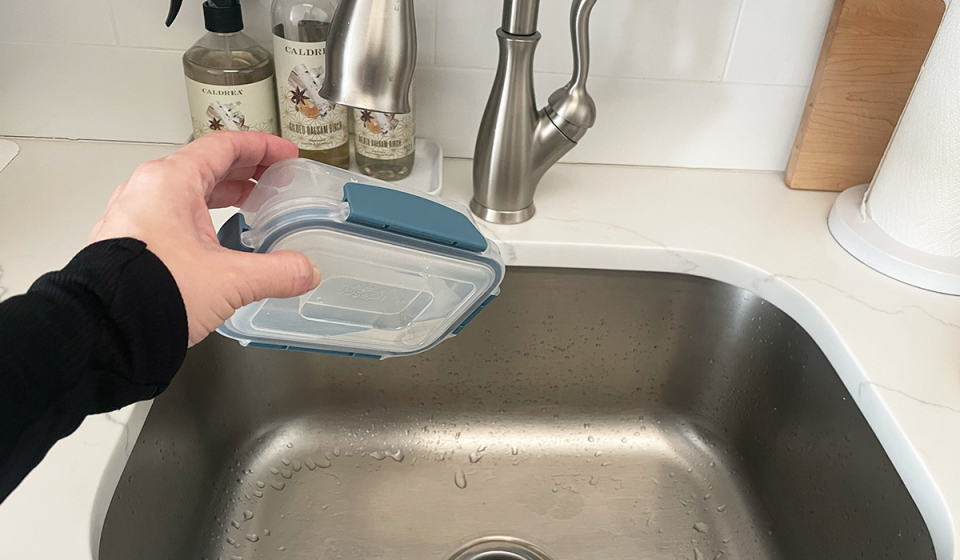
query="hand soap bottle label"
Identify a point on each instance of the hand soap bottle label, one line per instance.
(306, 119)
(384, 135)
(246, 107)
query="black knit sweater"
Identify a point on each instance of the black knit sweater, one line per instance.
(108, 330)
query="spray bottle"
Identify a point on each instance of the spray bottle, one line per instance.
(230, 78)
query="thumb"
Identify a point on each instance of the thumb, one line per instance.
(282, 274)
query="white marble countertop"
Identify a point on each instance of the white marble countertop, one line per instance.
(897, 348)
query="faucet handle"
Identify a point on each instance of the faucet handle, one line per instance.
(571, 108)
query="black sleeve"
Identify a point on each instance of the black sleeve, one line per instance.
(108, 330)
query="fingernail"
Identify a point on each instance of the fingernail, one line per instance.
(316, 275)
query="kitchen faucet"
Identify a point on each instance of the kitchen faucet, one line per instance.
(371, 54)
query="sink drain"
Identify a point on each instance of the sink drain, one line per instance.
(499, 548)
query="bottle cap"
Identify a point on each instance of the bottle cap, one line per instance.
(219, 16)
(222, 16)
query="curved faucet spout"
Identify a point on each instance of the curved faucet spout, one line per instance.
(571, 108)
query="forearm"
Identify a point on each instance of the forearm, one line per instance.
(108, 330)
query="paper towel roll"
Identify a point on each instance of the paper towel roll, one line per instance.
(915, 195)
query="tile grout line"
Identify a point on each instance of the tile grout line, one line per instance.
(93, 45)
(436, 31)
(14, 137)
(733, 41)
(475, 69)
(113, 23)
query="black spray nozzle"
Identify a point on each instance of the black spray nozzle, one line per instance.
(174, 10)
(220, 16)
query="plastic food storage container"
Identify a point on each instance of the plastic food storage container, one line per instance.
(401, 271)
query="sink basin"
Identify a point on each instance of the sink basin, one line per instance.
(583, 415)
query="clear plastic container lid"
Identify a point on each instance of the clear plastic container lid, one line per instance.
(401, 271)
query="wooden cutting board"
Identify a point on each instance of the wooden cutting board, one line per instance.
(871, 56)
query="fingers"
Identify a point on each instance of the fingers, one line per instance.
(232, 155)
(230, 193)
(282, 274)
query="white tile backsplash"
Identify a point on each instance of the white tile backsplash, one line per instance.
(73, 21)
(640, 122)
(775, 40)
(140, 23)
(690, 83)
(115, 93)
(664, 39)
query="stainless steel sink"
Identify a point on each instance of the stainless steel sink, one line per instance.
(583, 415)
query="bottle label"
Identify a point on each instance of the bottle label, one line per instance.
(306, 119)
(246, 107)
(384, 135)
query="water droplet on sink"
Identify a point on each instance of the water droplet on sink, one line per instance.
(285, 461)
(598, 453)
(722, 507)
(590, 438)
(514, 450)
(701, 527)
(309, 463)
(460, 479)
(258, 493)
(336, 451)
(236, 558)
(235, 523)
(252, 537)
(285, 473)
(726, 540)
(481, 448)
(396, 456)
(706, 497)
(697, 555)
(623, 440)
(594, 481)
(475, 457)
(274, 470)
(278, 485)
(266, 532)
(231, 542)
(324, 463)
(555, 490)
(260, 484)
(247, 515)
(290, 445)
(296, 465)
(607, 464)
(282, 548)
(379, 455)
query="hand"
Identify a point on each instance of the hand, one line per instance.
(165, 203)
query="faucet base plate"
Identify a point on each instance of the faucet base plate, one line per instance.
(506, 217)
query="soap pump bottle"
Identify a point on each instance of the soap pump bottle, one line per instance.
(230, 83)
(319, 128)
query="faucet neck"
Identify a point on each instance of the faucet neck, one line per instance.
(520, 16)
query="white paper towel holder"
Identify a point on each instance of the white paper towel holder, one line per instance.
(864, 239)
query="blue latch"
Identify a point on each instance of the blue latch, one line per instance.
(412, 216)
(474, 314)
(229, 234)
